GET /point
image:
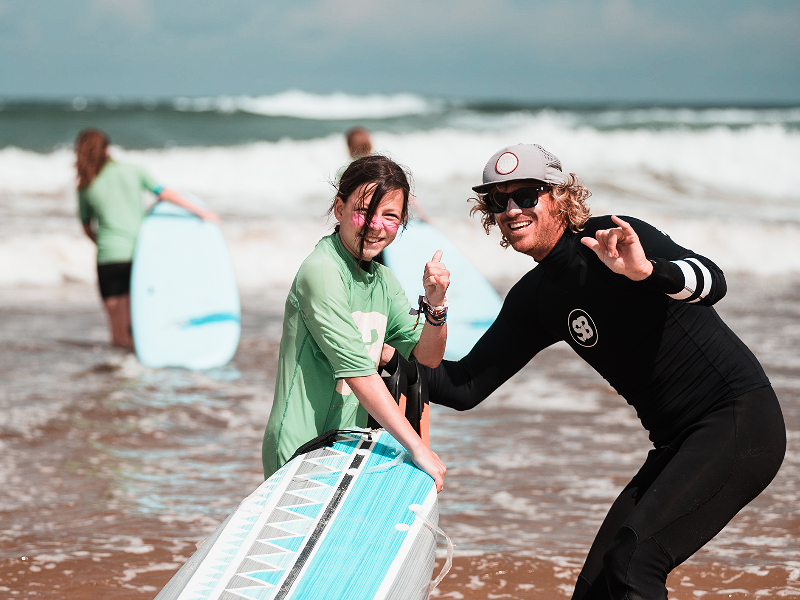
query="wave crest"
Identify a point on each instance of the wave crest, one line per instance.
(304, 105)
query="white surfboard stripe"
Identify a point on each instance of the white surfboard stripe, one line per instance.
(706, 279)
(405, 548)
(689, 280)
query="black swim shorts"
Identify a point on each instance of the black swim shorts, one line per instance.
(114, 279)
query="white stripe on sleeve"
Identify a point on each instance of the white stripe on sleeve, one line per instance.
(689, 280)
(706, 279)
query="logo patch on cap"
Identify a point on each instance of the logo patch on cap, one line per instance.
(506, 164)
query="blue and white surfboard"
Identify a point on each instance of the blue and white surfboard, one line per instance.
(185, 308)
(354, 520)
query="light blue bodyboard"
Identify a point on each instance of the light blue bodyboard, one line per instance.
(474, 304)
(185, 309)
(344, 521)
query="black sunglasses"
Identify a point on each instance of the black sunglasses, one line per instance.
(527, 197)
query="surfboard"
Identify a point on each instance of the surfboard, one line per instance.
(185, 308)
(474, 304)
(353, 519)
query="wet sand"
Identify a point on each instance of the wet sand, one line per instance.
(112, 472)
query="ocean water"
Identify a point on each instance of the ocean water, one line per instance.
(111, 472)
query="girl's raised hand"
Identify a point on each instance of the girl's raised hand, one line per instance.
(436, 279)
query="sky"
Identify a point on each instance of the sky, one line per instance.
(527, 50)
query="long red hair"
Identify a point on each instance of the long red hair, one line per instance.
(91, 151)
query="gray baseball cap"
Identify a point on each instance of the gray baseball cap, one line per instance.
(523, 161)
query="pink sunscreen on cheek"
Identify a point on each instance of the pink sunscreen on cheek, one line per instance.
(390, 226)
(359, 220)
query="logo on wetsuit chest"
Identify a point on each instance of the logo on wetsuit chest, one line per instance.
(582, 328)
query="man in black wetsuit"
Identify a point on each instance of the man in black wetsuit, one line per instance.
(636, 306)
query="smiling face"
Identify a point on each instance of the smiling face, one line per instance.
(384, 225)
(531, 231)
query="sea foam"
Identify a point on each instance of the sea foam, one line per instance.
(709, 188)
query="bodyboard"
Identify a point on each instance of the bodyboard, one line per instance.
(185, 308)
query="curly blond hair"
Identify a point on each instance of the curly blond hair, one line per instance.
(569, 197)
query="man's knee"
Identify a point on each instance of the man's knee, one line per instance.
(636, 569)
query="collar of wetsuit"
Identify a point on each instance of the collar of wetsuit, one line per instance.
(562, 253)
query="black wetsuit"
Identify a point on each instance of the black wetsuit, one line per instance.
(713, 418)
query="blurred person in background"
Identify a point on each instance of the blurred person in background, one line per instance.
(111, 210)
(358, 142)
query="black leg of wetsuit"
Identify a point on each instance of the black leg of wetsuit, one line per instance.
(683, 495)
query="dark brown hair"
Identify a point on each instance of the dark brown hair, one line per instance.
(386, 175)
(91, 155)
(569, 197)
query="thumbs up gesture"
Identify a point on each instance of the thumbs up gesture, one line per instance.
(436, 279)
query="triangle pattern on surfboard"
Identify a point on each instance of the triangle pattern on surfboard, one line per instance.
(281, 515)
(335, 463)
(286, 529)
(293, 499)
(297, 485)
(322, 493)
(270, 532)
(309, 510)
(300, 527)
(283, 532)
(251, 593)
(264, 578)
(258, 564)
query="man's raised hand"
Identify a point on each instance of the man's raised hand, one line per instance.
(620, 250)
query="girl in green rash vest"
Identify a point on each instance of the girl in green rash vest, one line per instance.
(111, 210)
(341, 308)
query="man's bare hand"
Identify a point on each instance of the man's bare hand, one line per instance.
(620, 250)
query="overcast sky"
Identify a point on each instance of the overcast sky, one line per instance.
(592, 50)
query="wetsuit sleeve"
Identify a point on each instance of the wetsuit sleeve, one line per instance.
(508, 345)
(677, 272)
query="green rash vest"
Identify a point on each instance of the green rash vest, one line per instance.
(114, 200)
(336, 320)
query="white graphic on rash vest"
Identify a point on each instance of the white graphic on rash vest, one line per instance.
(582, 328)
(372, 326)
